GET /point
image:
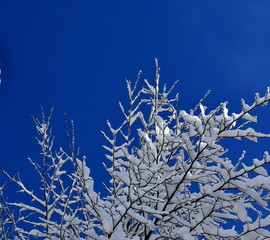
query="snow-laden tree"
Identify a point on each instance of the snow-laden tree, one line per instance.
(170, 178)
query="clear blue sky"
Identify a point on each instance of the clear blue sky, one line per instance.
(77, 54)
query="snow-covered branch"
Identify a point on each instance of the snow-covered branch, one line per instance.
(171, 177)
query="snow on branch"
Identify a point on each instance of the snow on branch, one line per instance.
(171, 177)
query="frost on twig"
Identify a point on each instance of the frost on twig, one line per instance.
(170, 176)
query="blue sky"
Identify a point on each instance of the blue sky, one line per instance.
(77, 54)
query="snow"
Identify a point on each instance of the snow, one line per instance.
(261, 171)
(173, 180)
(241, 211)
(36, 233)
(250, 118)
(245, 106)
(107, 222)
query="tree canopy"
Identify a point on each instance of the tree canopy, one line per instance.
(170, 177)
